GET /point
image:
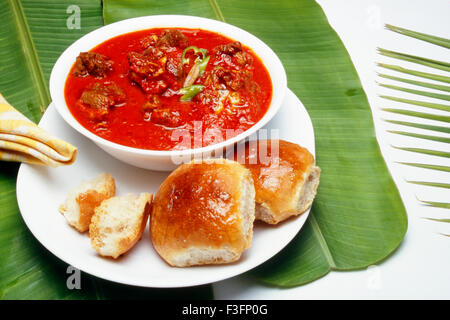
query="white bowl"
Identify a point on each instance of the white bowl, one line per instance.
(157, 159)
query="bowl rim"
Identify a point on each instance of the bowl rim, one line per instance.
(61, 69)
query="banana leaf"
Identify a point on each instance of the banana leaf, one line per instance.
(33, 35)
(353, 224)
(358, 218)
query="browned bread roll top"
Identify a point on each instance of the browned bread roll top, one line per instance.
(203, 213)
(285, 177)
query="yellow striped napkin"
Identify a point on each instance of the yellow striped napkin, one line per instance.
(22, 140)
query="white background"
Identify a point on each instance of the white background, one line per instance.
(420, 268)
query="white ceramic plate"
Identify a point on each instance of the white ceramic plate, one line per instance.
(40, 190)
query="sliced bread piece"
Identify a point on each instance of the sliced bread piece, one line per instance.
(118, 223)
(79, 206)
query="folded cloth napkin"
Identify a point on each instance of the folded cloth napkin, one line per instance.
(22, 140)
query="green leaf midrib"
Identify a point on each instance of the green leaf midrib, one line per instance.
(30, 53)
(217, 11)
(321, 239)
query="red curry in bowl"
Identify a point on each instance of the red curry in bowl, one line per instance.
(137, 88)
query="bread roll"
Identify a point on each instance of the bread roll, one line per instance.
(118, 223)
(285, 184)
(203, 213)
(81, 202)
